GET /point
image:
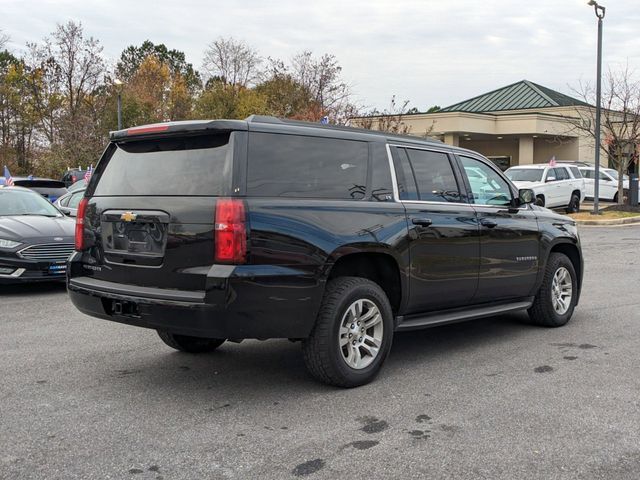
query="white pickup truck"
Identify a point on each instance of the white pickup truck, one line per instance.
(555, 186)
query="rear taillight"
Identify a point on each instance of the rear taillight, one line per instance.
(230, 231)
(82, 210)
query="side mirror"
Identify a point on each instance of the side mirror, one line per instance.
(66, 211)
(551, 179)
(525, 196)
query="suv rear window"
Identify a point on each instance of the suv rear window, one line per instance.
(308, 167)
(199, 165)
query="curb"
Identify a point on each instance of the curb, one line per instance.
(613, 221)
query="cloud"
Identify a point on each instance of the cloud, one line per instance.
(427, 52)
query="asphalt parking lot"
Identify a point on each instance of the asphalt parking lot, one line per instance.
(82, 398)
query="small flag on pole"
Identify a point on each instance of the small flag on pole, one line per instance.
(8, 181)
(552, 162)
(87, 175)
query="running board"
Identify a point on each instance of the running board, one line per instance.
(415, 322)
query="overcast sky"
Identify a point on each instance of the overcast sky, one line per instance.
(428, 52)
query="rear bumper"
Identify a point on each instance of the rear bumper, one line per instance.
(248, 301)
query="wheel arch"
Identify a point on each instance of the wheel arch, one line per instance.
(380, 265)
(569, 248)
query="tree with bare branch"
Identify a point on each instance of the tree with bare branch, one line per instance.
(232, 61)
(4, 39)
(68, 75)
(620, 119)
(322, 78)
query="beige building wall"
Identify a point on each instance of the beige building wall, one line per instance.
(544, 149)
(539, 130)
(495, 148)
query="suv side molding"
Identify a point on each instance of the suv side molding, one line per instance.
(415, 322)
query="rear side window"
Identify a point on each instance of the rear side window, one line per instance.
(561, 174)
(434, 176)
(199, 165)
(307, 167)
(576, 172)
(404, 173)
(381, 185)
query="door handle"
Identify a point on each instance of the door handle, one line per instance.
(423, 222)
(485, 222)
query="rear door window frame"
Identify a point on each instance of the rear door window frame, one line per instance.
(398, 154)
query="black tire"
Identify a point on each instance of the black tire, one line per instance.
(542, 312)
(539, 201)
(574, 204)
(322, 352)
(185, 343)
(615, 198)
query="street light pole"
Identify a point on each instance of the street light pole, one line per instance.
(119, 111)
(600, 10)
(118, 84)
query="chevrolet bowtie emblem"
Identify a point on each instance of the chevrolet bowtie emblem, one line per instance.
(128, 217)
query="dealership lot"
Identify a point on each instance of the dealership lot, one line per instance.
(496, 398)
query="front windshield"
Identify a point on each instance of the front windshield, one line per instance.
(18, 202)
(524, 174)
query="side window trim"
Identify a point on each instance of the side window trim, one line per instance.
(409, 184)
(394, 179)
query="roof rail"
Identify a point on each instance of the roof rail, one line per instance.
(343, 128)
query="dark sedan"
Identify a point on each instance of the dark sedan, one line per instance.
(35, 237)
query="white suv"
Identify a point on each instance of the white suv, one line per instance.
(608, 187)
(555, 186)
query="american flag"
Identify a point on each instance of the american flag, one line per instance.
(552, 162)
(87, 175)
(8, 180)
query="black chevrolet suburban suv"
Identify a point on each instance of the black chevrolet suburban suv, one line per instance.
(219, 230)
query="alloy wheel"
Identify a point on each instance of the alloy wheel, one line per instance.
(561, 290)
(360, 334)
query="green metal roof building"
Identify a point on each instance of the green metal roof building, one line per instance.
(521, 123)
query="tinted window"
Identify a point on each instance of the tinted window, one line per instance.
(173, 166)
(404, 174)
(576, 172)
(434, 176)
(487, 186)
(381, 186)
(562, 174)
(310, 167)
(551, 173)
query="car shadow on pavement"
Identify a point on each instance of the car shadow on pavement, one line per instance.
(252, 369)
(32, 288)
